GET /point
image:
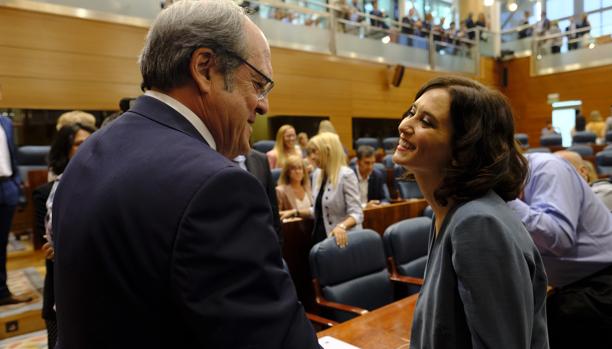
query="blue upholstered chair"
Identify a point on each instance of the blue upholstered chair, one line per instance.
(522, 138)
(609, 137)
(428, 212)
(409, 189)
(388, 161)
(584, 137)
(264, 145)
(406, 244)
(351, 280)
(276, 172)
(608, 147)
(538, 150)
(582, 149)
(389, 144)
(372, 142)
(549, 140)
(604, 162)
(31, 157)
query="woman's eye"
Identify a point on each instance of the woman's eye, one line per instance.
(426, 122)
(410, 113)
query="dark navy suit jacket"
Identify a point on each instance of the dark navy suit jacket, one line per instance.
(376, 184)
(9, 188)
(161, 242)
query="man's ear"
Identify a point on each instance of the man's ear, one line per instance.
(200, 67)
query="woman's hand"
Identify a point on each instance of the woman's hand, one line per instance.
(289, 214)
(49, 251)
(341, 236)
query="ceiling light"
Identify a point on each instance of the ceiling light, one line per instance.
(512, 6)
(488, 2)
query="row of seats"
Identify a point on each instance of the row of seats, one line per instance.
(360, 277)
(580, 137)
(388, 144)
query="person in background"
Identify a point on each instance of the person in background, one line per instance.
(584, 26)
(64, 147)
(549, 130)
(580, 124)
(556, 42)
(109, 119)
(601, 187)
(302, 140)
(335, 191)
(543, 24)
(469, 24)
(293, 191)
(284, 146)
(525, 32)
(161, 240)
(326, 126)
(257, 164)
(572, 229)
(76, 116)
(609, 121)
(597, 126)
(372, 181)
(10, 189)
(570, 30)
(481, 261)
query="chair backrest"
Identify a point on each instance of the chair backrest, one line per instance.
(276, 172)
(538, 150)
(264, 145)
(604, 162)
(409, 189)
(31, 157)
(608, 147)
(388, 161)
(609, 137)
(355, 275)
(522, 138)
(549, 140)
(407, 242)
(428, 211)
(582, 149)
(584, 137)
(389, 144)
(372, 142)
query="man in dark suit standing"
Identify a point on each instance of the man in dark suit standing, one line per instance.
(161, 240)
(9, 196)
(257, 164)
(372, 181)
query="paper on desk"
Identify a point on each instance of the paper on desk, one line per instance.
(329, 342)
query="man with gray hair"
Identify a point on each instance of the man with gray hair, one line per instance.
(161, 240)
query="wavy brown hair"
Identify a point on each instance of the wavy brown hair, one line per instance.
(484, 154)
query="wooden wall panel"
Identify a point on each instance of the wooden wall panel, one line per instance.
(51, 61)
(528, 94)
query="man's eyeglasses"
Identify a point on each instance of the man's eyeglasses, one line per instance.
(262, 88)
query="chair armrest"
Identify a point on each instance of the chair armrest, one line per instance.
(406, 279)
(321, 320)
(397, 277)
(340, 306)
(319, 299)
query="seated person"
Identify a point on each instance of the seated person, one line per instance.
(293, 192)
(601, 187)
(372, 181)
(572, 229)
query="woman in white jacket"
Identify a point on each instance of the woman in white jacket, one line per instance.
(337, 208)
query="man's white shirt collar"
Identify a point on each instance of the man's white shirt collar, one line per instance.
(187, 114)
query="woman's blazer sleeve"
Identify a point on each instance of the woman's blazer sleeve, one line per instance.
(351, 195)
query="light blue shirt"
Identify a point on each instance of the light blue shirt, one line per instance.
(571, 227)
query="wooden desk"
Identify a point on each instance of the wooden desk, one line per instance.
(380, 218)
(388, 327)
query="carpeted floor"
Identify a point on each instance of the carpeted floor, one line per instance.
(28, 281)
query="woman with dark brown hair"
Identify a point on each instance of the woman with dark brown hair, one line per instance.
(485, 285)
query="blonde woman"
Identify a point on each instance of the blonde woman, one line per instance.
(597, 126)
(293, 191)
(285, 145)
(337, 208)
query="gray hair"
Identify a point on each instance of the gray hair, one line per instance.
(365, 151)
(184, 27)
